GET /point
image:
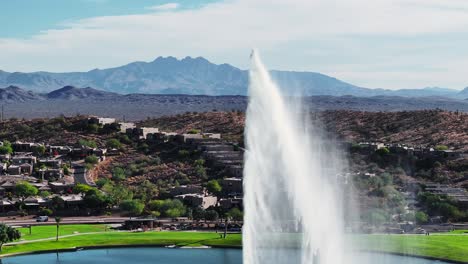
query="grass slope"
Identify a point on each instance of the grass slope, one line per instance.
(444, 246)
(124, 238)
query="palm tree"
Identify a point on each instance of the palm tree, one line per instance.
(58, 219)
(8, 234)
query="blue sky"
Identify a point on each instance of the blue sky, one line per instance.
(371, 43)
(27, 17)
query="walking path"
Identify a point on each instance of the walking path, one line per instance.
(52, 238)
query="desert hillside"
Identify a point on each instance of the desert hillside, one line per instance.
(427, 127)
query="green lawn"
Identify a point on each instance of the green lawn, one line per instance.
(459, 232)
(449, 246)
(443, 246)
(125, 238)
(38, 232)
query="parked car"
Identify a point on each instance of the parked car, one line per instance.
(42, 218)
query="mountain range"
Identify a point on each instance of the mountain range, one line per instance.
(20, 103)
(198, 76)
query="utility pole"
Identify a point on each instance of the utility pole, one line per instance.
(2, 116)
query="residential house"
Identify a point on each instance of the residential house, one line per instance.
(198, 200)
(51, 174)
(59, 150)
(14, 170)
(124, 126)
(142, 132)
(60, 187)
(26, 168)
(236, 170)
(228, 203)
(185, 138)
(22, 159)
(99, 152)
(23, 146)
(232, 186)
(81, 152)
(101, 120)
(50, 163)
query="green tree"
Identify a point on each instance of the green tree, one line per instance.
(421, 217)
(24, 190)
(6, 148)
(44, 194)
(40, 150)
(45, 211)
(383, 151)
(8, 234)
(117, 193)
(441, 147)
(57, 203)
(66, 169)
(81, 188)
(87, 143)
(193, 131)
(213, 186)
(95, 199)
(93, 128)
(58, 219)
(169, 208)
(146, 191)
(235, 214)
(132, 207)
(199, 162)
(118, 174)
(183, 153)
(113, 143)
(211, 215)
(92, 160)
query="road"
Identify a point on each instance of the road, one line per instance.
(65, 220)
(79, 173)
(24, 221)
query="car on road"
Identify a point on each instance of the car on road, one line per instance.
(42, 218)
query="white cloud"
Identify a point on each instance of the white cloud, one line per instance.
(333, 37)
(164, 7)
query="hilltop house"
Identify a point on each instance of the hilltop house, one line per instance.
(186, 189)
(198, 200)
(141, 132)
(124, 126)
(232, 186)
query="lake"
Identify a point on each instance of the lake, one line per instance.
(155, 255)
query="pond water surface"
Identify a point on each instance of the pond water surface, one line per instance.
(154, 255)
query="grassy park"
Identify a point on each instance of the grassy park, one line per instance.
(113, 238)
(48, 231)
(448, 246)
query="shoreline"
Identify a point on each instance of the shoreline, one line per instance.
(75, 249)
(172, 246)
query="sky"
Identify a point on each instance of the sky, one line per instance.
(389, 44)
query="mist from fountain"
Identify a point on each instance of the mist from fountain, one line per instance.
(293, 197)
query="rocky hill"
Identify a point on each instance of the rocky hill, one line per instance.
(425, 128)
(73, 93)
(13, 94)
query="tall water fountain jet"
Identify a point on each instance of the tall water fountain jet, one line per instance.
(292, 201)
